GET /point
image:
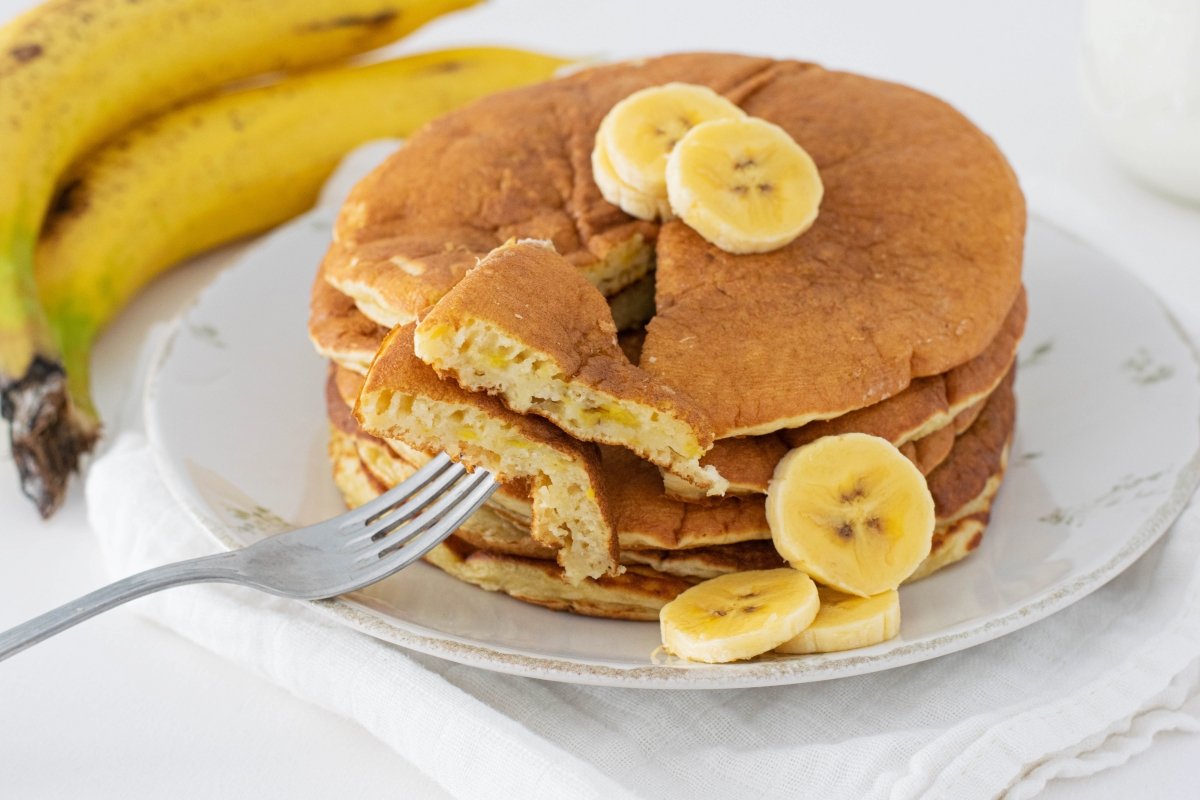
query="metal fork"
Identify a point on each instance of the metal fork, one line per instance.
(333, 557)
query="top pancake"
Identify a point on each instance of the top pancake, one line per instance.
(908, 271)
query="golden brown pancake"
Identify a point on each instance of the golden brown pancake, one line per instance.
(486, 553)
(343, 334)
(928, 404)
(526, 326)
(921, 410)
(513, 165)
(339, 331)
(637, 594)
(404, 398)
(908, 271)
(646, 519)
(978, 458)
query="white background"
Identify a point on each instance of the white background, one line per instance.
(122, 708)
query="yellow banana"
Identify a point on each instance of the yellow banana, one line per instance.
(234, 165)
(72, 73)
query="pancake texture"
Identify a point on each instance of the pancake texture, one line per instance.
(404, 398)
(526, 326)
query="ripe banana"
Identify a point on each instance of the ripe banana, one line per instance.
(72, 73)
(633, 202)
(852, 512)
(234, 165)
(846, 622)
(743, 184)
(739, 615)
(629, 160)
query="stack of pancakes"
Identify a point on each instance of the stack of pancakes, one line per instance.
(897, 314)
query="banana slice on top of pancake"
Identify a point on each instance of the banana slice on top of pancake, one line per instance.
(639, 132)
(743, 184)
(852, 512)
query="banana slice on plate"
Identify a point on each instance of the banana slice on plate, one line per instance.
(852, 512)
(743, 184)
(846, 622)
(640, 131)
(739, 615)
(632, 201)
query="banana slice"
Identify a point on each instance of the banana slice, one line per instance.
(739, 615)
(640, 131)
(852, 512)
(743, 184)
(846, 622)
(630, 200)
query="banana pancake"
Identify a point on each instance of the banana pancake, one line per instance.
(927, 405)
(490, 555)
(526, 326)
(404, 398)
(512, 165)
(908, 271)
(339, 331)
(511, 499)
(343, 334)
(646, 519)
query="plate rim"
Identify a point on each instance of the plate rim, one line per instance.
(770, 672)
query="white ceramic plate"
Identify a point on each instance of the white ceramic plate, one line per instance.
(1106, 454)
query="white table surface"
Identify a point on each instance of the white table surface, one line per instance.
(122, 708)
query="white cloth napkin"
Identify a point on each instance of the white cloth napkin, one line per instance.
(1074, 694)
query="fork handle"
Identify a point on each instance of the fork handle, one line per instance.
(218, 567)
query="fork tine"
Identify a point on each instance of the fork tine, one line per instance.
(397, 494)
(386, 519)
(397, 556)
(429, 515)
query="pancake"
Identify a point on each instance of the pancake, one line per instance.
(526, 326)
(346, 336)
(636, 594)
(339, 331)
(646, 519)
(908, 271)
(513, 165)
(921, 410)
(488, 554)
(404, 398)
(978, 459)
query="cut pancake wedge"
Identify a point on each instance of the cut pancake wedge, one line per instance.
(527, 326)
(404, 398)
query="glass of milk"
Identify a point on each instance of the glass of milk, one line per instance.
(1142, 77)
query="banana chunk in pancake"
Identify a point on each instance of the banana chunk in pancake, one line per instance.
(526, 326)
(404, 398)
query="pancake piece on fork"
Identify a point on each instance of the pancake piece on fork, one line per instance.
(404, 398)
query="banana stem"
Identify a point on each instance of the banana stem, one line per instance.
(48, 435)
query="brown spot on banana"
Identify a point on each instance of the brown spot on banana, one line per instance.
(376, 20)
(24, 53)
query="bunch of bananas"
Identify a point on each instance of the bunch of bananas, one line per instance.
(99, 195)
